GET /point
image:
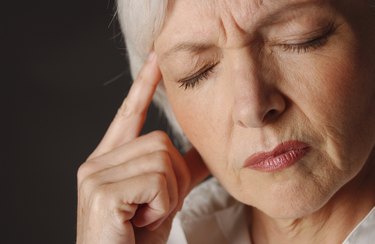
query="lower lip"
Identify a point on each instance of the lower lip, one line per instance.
(280, 161)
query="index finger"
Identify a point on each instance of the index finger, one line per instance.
(131, 116)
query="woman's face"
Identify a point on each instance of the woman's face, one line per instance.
(246, 76)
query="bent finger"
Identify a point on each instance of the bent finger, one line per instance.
(143, 145)
(156, 162)
(149, 192)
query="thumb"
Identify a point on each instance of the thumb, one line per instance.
(197, 167)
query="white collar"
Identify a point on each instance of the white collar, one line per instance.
(364, 232)
(211, 216)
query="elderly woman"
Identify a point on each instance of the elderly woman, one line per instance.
(275, 99)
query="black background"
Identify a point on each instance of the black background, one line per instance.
(64, 76)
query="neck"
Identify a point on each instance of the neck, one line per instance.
(330, 224)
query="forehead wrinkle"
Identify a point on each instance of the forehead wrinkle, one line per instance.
(257, 13)
(242, 16)
(193, 48)
(236, 23)
(238, 12)
(227, 23)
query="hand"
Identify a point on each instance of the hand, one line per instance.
(131, 186)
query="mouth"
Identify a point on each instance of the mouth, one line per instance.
(282, 156)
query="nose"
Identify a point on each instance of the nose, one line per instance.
(257, 99)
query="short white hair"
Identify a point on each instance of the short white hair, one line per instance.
(141, 22)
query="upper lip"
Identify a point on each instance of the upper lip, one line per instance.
(282, 148)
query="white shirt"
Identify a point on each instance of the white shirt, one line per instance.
(211, 216)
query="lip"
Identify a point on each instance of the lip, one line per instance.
(282, 156)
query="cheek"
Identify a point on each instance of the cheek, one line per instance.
(203, 121)
(188, 112)
(332, 92)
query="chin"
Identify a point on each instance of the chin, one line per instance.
(292, 208)
(289, 201)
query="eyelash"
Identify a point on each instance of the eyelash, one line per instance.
(201, 75)
(313, 44)
(305, 47)
(309, 45)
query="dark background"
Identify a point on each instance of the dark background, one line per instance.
(64, 76)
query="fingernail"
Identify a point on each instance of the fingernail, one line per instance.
(151, 56)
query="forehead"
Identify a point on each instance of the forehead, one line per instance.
(194, 20)
(237, 8)
(243, 12)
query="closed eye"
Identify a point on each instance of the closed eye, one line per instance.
(312, 44)
(195, 79)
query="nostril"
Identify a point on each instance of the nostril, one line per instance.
(251, 113)
(271, 115)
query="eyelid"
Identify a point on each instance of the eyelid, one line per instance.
(205, 68)
(193, 80)
(306, 37)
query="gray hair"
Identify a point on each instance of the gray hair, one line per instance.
(141, 22)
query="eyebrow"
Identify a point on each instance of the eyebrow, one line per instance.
(191, 47)
(272, 18)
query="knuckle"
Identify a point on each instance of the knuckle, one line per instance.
(161, 138)
(99, 197)
(95, 201)
(83, 171)
(124, 110)
(158, 180)
(164, 209)
(163, 159)
(87, 186)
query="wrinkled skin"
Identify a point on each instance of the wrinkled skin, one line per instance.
(268, 72)
(276, 71)
(131, 186)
